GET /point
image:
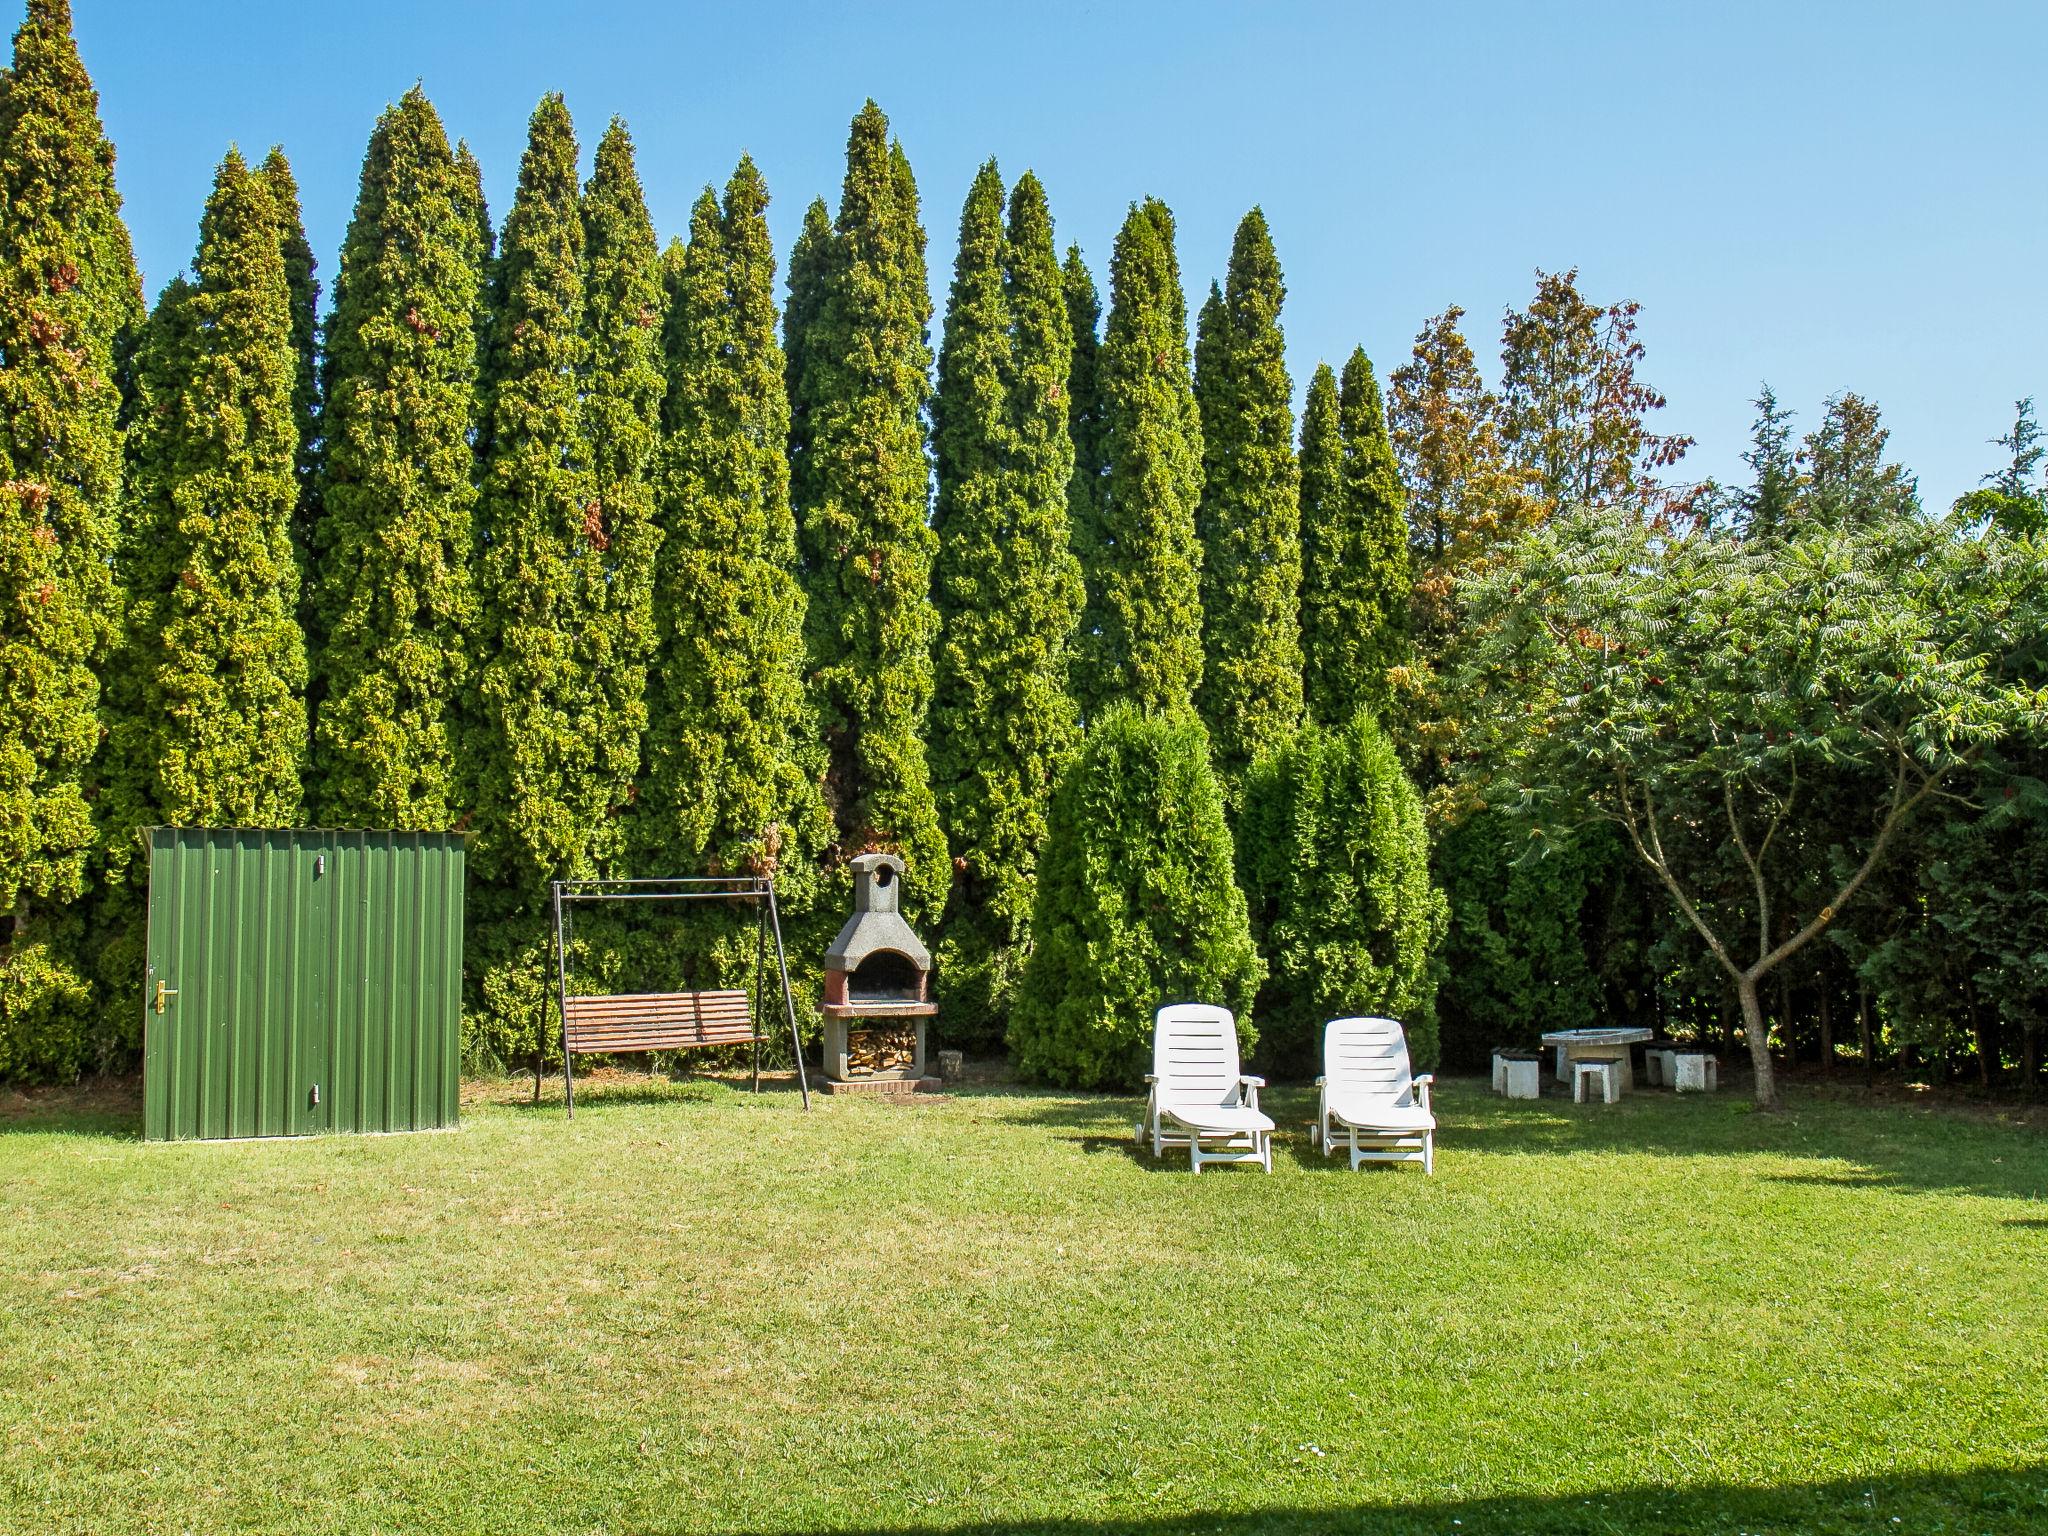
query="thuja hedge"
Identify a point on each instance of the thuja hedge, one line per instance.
(1137, 904)
(1334, 856)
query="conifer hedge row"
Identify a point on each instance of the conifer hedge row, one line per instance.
(548, 537)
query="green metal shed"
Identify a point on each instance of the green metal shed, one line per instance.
(301, 981)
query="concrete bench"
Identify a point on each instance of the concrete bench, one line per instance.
(1659, 1067)
(1518, 1074)
(1695, 1071)
(1603, 1071)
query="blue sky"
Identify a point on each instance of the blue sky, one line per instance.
(1827, 196)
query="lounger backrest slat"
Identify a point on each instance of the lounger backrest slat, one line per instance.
(1194, 1054)
(1368, 1057)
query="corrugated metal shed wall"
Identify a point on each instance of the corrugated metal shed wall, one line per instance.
(312, 979)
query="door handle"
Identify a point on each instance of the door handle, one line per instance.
(164, 992)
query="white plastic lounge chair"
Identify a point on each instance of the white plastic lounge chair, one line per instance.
(1200, 1100)
(1371, 1102)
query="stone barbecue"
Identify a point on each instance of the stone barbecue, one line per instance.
(877, 990)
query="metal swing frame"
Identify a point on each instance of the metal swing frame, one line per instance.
(759, 890)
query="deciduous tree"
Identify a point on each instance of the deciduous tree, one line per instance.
(1574, 411)
(1695, 688)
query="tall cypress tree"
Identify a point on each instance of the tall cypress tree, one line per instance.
(393, 599)
(732, 769)
(1355, 562)
(1144, 569)
(68, 299)
(622, 384)
(1321, 465)
(1250, 513)
(542, 542)
(303, 292)
(209, 720)
(863, 493)
(1007, 585)
(1084, 429)
(809, 261)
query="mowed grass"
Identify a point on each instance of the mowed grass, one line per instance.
(693, 1309)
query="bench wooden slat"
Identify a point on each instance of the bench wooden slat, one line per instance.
(658, 1021)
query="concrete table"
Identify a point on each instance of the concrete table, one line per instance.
(1571, 1044)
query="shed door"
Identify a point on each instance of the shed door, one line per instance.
(236, 1005)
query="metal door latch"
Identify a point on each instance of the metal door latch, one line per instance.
(164, 993)
(316, 1096)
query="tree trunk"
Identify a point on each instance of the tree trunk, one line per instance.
(1827, 1031)
(1759, 1036)
(1863, 1032)
(1988, 1064)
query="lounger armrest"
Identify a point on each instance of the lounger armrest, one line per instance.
(1151, 1077)
(1252, 1082)
(1322, 1082)
(1422, 1083)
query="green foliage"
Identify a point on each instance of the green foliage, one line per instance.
(393, 601)
(207, 711)
(69, 298)
(1355, 573)
(1249, 517)
(1142, 639)
(544, 545)
(1518, 958)
(1138, 904)
(1693, 687)
(1573, 412)
(304, 294)
(731, 778)
(1334, 858)
(1847, 479)
(1008, 590)
(1084, 431)
(211, 729)
(858, 311)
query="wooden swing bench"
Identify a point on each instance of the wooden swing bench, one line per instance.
(624, 1023)
(658, 1021)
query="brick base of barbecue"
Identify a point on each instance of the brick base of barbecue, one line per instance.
(882, 1087)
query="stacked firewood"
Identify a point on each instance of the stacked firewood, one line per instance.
(869, 1051)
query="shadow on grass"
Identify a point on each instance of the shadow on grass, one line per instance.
(1992, 1502)
(106, 1109)
(1864, 1146)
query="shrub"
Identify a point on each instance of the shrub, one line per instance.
(1136, 905)
(1336, 864)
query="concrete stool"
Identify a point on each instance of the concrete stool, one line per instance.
(1695, 1072)
(1520, 1074)
(1604, 1070)
(1659, 1067)
(1502, 1054)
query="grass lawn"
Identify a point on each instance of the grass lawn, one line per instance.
(697, 1310)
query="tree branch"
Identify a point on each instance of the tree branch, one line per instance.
(1658, 863)
(1901, 807)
